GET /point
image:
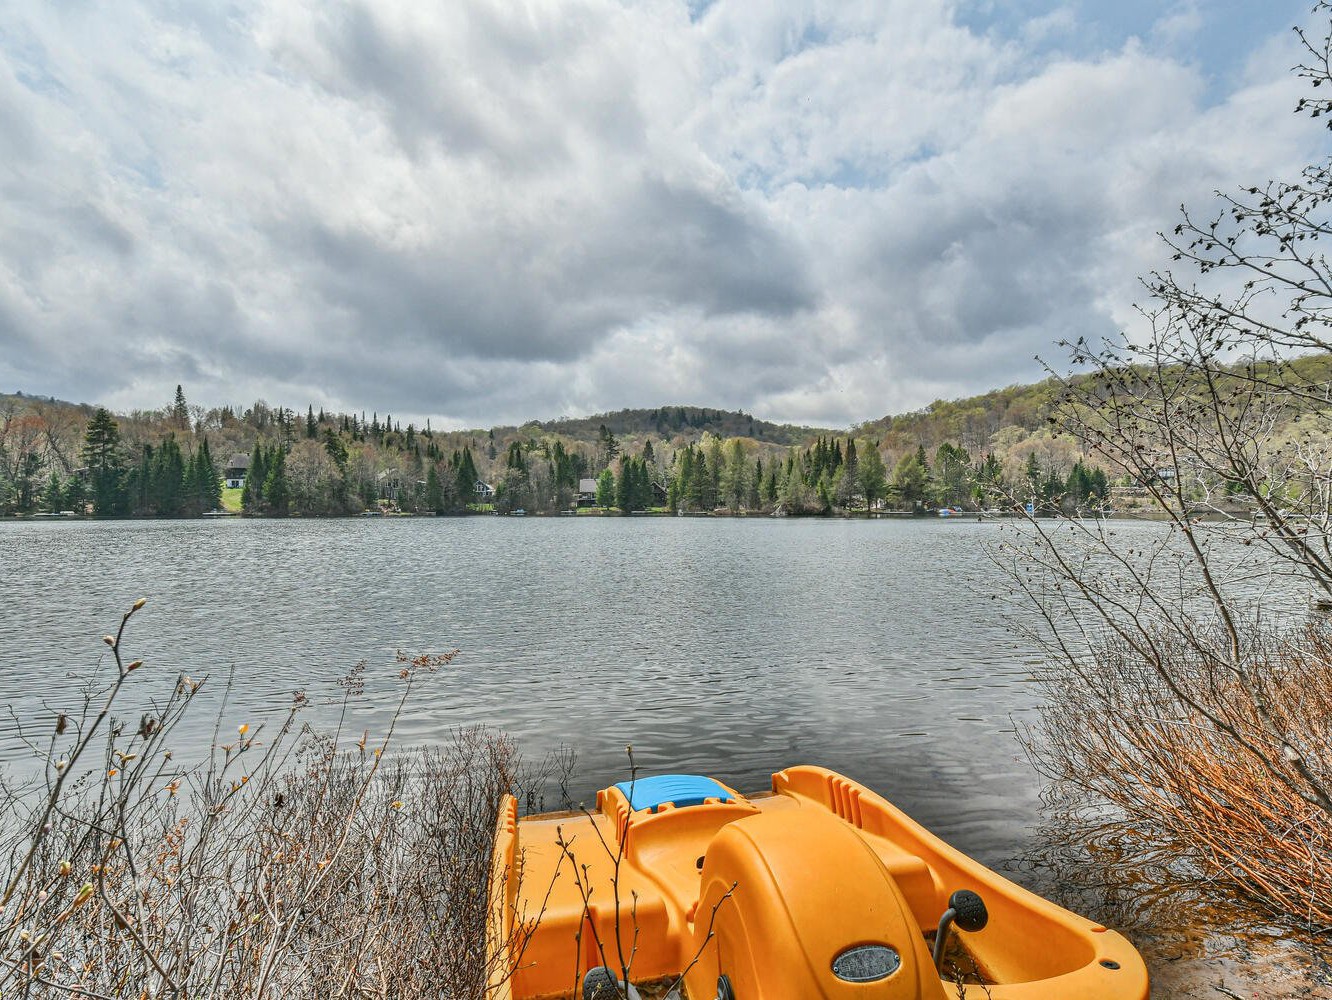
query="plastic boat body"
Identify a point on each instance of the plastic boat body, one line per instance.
(820, 888)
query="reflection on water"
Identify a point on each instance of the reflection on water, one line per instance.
(731, 647)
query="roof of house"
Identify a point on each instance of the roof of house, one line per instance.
(587, 486)
(239, 461)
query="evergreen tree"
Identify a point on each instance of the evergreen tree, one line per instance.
(206, 482)
(872, 475)
(848, 482)
(192, 491)
(167, 478)
(607, 447)
(624, 485)
(76, 495)
(53, 497)
(911, 479)
(794, 492)
(952, 466)
(643, 495)
(987, 476)
(311, 428)
(514, 459)
(434, 493)
(684, 476)
(336, 449)
(466, 477)
(180, 413)
(735, 479)
(276, 491)
(606, 489)
(712, 495)
(699, 483)
(139, 482)
(1052, 490)
(252, 495)
(106, 464)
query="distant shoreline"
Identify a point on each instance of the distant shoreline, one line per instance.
(887, 515)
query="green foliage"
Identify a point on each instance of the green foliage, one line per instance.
(911, 480)
(434, 493)
(952, 475)
(872, 476)
(606, 489)
(276, 489)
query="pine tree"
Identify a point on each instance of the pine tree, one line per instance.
(209, 479)
(735, 479)
(911, 479)
(434, 493)
(53, 495)
(106, 464)
(167, 478)
(276, 492)
(848, 482)
(466, 477)
(180, 413)
(873, 476)
(624, 485)
(252, 495)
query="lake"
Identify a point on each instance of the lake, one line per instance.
(732, 647)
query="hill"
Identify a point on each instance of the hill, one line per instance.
(667, 422)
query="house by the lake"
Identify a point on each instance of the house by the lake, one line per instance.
(237, 466)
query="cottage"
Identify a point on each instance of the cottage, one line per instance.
(485, 493)
(390, 484)
(237, 466)
(587, 492)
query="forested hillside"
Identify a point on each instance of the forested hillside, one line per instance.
(57, 456)
(690, 421)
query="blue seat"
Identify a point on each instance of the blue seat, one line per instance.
(678, 789)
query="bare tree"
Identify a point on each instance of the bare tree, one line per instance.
(1184, 694)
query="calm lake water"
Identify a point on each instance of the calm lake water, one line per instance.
(727, 647)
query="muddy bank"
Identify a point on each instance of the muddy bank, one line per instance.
(1210, 966)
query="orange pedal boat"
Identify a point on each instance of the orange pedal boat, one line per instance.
(678, 886)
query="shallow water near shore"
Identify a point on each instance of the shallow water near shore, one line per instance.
(731, 647)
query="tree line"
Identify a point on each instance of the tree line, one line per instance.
(846, 474)
(168, 463)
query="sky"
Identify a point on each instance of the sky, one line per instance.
(492, 211)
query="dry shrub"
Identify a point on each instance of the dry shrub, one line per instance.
(287, 865)
(1213, 773)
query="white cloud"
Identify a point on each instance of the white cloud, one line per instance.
(485, 211)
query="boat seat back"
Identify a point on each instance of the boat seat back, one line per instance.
(805, 893)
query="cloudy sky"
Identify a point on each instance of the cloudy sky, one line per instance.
(493, 210)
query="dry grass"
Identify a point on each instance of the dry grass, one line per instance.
(1213, 781)
(284, 866)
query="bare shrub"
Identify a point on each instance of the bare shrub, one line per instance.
(286, 865)
(1189, 800)
(1189, 710)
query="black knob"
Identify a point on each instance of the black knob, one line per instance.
(970, 909)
